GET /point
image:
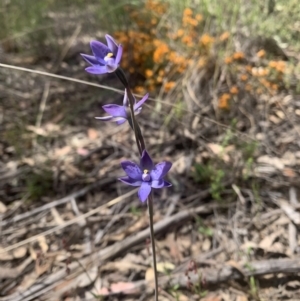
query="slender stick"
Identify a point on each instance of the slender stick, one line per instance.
(150, 210)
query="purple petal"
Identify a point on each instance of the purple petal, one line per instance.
(99, 49)
(157, 183)
(132, 170)
(146, 161)
(115, 110)
(121, 121)
(90, 59)
(119, 54)
(111, 66)
(160, 183)
(167, 184)
(129, 181)
(160, 170)
(140, 103)
(105, 118)
(96, 70)
(144, 191)
(112, 45)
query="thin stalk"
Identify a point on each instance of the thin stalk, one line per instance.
(150, 210)
(139, 135)
(141, 147)
(121, 76)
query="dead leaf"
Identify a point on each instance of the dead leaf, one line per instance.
(293, 215)
(273, 161)
(117, 288)
(183, 164)
(93, 133)
(268, 241)
(87, 277)
(149, 275)
(3, 208)
(43, 244)
(249, 245)
(275, 119)
(174, 248)
(206, 245)
(212, 298)
(57, 218)
(19, 252)
(82, 152)
(61, 152)
(242, 298)
(220, 151)
(288, 172)
(163, 267)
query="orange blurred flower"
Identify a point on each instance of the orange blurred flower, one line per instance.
(224, 36)
(261, 53)
(148, 73)
(238, 55)
(280, 66)
(228, 60)
(139, 90)
(180, 32)
(201, 62)
(224, 101)
(234, 90)
(244, 77)
(199, 17)
(187, 12)
(260, 71)
(169, 85)
(187, 40)
(206, 40)
(272, 64)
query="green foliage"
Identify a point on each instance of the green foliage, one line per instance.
(203, 229)
(174, 291)
(135, 210)
(213, 175)
(39, 184)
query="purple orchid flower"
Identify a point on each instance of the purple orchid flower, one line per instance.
(106, 59)
(121, 113)
(145, 175)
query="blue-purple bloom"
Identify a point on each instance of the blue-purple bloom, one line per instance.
(106, 59)
(121, 113)
(146, 175)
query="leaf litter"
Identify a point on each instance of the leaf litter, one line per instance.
(207, 247)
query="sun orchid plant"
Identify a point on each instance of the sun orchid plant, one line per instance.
(146, 175)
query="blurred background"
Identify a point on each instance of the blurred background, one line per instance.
(223, 77)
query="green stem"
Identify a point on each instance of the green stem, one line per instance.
(150, 210)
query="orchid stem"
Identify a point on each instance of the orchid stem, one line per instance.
(141, 147)
(136, 129)
(150, 210)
